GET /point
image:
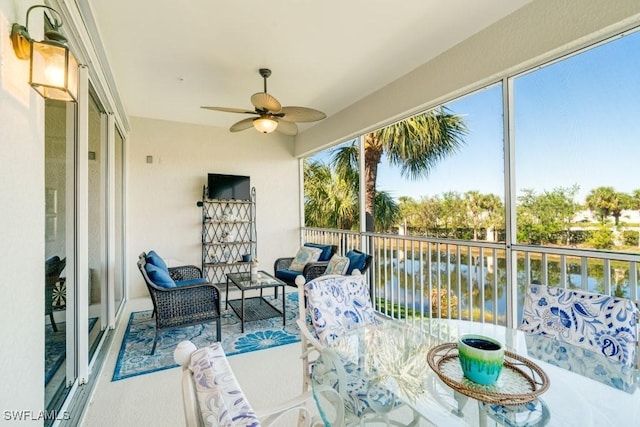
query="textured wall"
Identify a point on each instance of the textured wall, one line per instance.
(21, 227)
(161, 196)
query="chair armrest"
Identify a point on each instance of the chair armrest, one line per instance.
(185, 272)
(282, 264)
(314, 269)
(312, 340)
(178, 305)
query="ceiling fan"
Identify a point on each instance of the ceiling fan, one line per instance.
(271, 115)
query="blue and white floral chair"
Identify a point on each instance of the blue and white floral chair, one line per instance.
(329, 307)
(600, 323)
(212, 396)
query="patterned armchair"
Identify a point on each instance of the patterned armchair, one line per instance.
(180, 295)
(311, 270)
(336, 304)
(600, 323)
(212, 396)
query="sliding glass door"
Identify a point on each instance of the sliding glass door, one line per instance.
(59, 308)
(97, 222)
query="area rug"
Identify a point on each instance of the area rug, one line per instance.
(55, 347)
(135, 359)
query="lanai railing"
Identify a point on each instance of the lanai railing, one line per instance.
(430, 277)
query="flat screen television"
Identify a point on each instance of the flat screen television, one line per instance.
(221, 186)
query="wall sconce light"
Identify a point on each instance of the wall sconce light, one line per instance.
(265, 124)
(53, 70)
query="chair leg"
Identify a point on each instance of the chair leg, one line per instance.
(218, 330)
(53, 322)
(155, 341)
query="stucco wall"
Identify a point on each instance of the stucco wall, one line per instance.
(21, 227)
(162, 196)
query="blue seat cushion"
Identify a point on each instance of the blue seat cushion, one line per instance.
(159, 276)
(196, 281)
(356, 260)
(325, 255)
(155, 259)
(288, 276)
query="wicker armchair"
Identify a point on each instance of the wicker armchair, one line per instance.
(52, 269)
(183, 305)
(310, 271)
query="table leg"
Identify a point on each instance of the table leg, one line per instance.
(284, 309)
(226, 298)
(242, 310)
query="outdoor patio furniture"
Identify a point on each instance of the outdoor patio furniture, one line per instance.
(283, 271)
(212, 396)
(575, 387)
(336, 305)
(601, 323)
(53, 268)
(180, 295)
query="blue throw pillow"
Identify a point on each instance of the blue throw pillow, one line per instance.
(356, 260)
(155, 259)
(159, 276)
(325, 255)
(53, 259)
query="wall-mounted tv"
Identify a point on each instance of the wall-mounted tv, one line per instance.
(221, 186)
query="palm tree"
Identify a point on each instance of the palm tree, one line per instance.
(415, 145)
(387, 211)
(330, 202)
(599, 200)
(606, 201)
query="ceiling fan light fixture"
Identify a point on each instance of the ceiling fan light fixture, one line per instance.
(265, 124)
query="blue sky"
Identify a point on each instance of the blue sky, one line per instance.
(576, 122)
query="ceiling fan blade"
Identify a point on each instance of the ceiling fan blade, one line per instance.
(242, 125)
(230, 110)
(264, 101)
(301, 114)
(287, 128)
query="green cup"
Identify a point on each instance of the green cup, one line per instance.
(481, 358)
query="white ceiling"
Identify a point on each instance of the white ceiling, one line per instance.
(169, 57)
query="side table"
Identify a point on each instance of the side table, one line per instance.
(255, 308)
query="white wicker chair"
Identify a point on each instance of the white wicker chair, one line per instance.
(212, 396)
(330, 318)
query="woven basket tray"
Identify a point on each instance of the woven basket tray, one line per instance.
(520, 381)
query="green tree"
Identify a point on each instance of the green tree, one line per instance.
(494, 210)
(415, 145)
(330, 201)
(473, 200)
(635, 200)
(387, 211)
(620, 202)
(484, 211)
(454, 214)
(602, 238)
(409, 212)
(542, 218)
(599, 200)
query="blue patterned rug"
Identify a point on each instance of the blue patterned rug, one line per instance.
(55, 347)
(135, 358)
